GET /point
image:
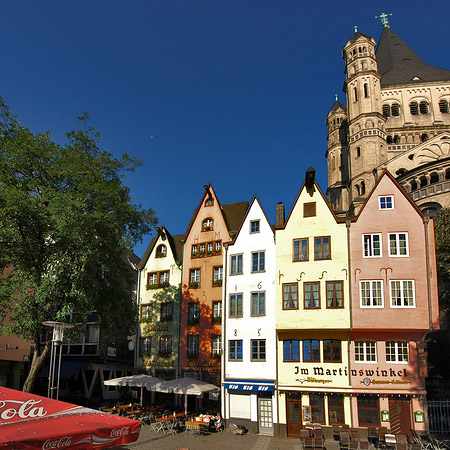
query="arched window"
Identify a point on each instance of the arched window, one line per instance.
(395, 109)
(423, 181)
(434, 178)
(396, 139)
(207, 224)
(413, 185)
(161, 251)
(413, 107)
(424, 137)
(447, 174)
(355, 93)
(423, 107)
(386, 110)
(358, 152)
(444, 106)
(358, 192)
(363, 188)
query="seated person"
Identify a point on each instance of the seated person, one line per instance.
(218, 423)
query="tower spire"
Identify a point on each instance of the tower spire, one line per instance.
(384, 19)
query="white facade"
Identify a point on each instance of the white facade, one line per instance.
(249, 338)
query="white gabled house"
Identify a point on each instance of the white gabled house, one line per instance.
(249, 337)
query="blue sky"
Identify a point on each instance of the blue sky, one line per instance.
(229, 92)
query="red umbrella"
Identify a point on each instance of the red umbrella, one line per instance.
(29, 421)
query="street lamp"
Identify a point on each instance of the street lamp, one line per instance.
(58, 334)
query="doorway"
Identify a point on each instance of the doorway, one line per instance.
(294, 414)
(400, 412)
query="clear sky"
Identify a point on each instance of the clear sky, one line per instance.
(228, 92)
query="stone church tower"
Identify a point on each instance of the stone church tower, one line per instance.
(397, 118)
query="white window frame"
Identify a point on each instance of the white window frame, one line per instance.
(395, 350)
(146, 345)
(384, 197)
(195, 276)
(371, 293)
(218, 273)
(217, 309)
(397, 244)
(402, 293)
(366, 347)
(368, 251)
(164, 276)
(217, 344)
(146, 311)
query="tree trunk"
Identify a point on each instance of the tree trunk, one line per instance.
(36, 364)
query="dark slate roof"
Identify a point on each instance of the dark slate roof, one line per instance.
(173, 241)
(337, 104)
(357, 35)
(233, 213)
(399, 64)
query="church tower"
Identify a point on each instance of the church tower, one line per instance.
(337, 157)
(366, 123)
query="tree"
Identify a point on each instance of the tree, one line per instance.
(66, 221)
(442, 242)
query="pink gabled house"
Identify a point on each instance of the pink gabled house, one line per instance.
(394, 305)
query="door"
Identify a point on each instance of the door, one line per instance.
(265, 416)
(400, 412)
(294, 409)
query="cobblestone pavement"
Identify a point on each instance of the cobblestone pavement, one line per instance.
(224, 440)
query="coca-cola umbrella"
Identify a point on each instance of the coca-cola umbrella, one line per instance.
(30, 421)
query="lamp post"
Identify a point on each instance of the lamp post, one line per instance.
(57, 339)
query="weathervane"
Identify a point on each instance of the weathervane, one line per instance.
(384, 19)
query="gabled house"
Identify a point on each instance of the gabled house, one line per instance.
(249, 366)
(312, 314)
(394, 306)
(159, 306)
(201, 305)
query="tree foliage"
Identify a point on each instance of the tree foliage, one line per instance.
(442, 242)
(66, 222)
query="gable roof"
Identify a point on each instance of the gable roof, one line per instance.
(234, 213)
(399, 64)
(175, 245)
(336, 106)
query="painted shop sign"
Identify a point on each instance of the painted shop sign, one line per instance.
(320, 371)
(204, 363)
(148, 362)
(157, 327)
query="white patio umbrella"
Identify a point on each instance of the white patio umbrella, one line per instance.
(141, 380)
(186, 386)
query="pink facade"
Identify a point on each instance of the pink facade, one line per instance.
(394, 304)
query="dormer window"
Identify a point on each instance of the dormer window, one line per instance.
(161, 251)
(207, 224)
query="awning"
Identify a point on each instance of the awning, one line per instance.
(68, 369)
(249, 385)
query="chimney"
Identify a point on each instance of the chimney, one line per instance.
(280, 214)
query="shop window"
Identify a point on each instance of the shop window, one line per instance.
(316, 401)
(336, 408)
(368, 410)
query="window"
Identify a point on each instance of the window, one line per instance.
(316, 401)
(194, 250)
(235, 305)
(368, 411)
(146, 346)
(235, 350)
(398, 244)
(322, 248)
(423, 107)
(161, 251)
(290, 296)
(258, 303)
(311, 295)
(207, 224)
(335, 408)
(218, 246)
(236, 264)
(414, 109)
(202, 250)
(217, 276)
(386, 202)
(371, 245)
(332, 350)
(371, 293)
(397, 351)
(395, 109)
(301, 249)
(258, 349)
(258, 261)
(192, 347)
(193, 314)
(335, 297)
(311, 350)
(402, 293)
(194, 277)
(217, 312)
(365, 351)
(309, 209)
(157, 280)
(216, 345)
(366, 90)
(444, 106)
(152, 278)
(166, 311)
(254, 226)
(146, 311)
(165, 344)
(358, 152)
(210, 248)
(291, 350)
